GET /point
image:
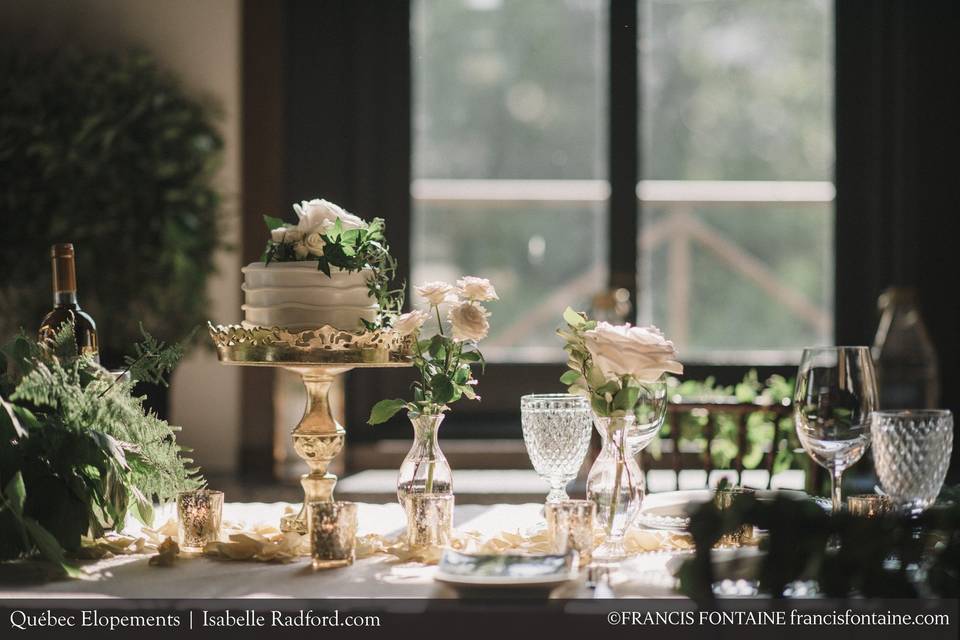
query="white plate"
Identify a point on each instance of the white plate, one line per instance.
(504, 571)
(670, 510)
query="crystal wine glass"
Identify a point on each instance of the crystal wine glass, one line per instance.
(911, 450)
(556, 430)
(835, 395)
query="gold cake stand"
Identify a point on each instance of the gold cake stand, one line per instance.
(318, 356)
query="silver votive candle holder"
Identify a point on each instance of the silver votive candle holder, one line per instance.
(332, 531)
(723, 499)
(429, 519)
(869, 505)
(199, 514)
(570, 527)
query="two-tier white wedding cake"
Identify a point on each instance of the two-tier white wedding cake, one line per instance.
(298, 296)
(291, 288)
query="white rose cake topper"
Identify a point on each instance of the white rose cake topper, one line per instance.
(608, 363)
(330, 268)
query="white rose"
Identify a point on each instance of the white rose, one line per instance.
(477, 289)
(436, 293)
(641, 352)
(293, 235)
(469, 321)
(319, 215)
(279, 235)
(410, 322)
(314, 243)
(300, 250)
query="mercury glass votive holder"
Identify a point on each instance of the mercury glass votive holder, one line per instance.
(199, 514)
(332, 531)
(723, 499)
(869, 505)
(429, 519)
(570, 527)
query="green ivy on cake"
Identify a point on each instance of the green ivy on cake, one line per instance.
(333, 237)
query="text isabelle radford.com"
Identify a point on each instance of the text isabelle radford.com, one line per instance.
(26, 620)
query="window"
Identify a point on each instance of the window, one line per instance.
(510, 175)
(737, 166)
(509, 158)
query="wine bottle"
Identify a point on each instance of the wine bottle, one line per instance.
(65, 306)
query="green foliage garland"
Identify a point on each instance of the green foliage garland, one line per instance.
(79, 450)
(883, 557)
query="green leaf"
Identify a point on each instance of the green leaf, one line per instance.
(462, 375)
(324, 265)
(570, 377)
(471, 356)
(438, 347)
(626, 398)
(272, 222)
(143, 510)
(573, 318)
(612, 387)
(334, 233)
(599, 406)
(443, 390)
(49, 547)
(10, 426)
(16, 493)
(385, 409)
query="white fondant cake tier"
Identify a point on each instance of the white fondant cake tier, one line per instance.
(297, 295)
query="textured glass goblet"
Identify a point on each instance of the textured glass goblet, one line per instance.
(556, 430)
(911, 450)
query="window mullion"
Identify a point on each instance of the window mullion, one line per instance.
(623, 147)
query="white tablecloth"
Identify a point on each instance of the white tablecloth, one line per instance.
(376, 577)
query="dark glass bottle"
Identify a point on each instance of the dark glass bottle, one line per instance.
(65, 306)
(904, 354)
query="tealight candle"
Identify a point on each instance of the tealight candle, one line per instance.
(199, 514)
(869, 505)
(332, 531)
(570, 527)
(723, 499)
(429, 519)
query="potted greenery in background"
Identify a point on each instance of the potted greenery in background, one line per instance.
(107, 151)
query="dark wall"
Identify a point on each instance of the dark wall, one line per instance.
(898, 193)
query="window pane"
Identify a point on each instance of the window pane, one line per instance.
(542, 256)
(737, 90)
(731, 278)
(510, 158)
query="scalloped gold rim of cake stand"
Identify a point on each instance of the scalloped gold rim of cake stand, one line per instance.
(318, 356)
(276, 347)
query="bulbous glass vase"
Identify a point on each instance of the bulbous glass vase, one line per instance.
(616, 485)
(425, 469)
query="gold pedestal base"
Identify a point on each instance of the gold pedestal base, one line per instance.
(318, 356)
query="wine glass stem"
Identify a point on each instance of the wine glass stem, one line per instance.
(836, 485)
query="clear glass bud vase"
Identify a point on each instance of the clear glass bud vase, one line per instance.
(616, 485)
(425, 469)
